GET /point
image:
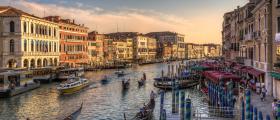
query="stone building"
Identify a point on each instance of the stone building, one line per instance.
(212, 50)
(96, 48)
(140, 48)
(254, 29)
(194, 51)
(27, 41)
(123, 50)
(73, 42)
(164, 38)
(152, 47)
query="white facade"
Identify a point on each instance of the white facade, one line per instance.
(30, 42)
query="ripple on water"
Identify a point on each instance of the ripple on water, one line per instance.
(101, 102)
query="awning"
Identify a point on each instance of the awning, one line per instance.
(275, 75)
(252, 71)
(198, 68)
(216, 76)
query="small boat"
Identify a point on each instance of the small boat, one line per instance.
(120, 73)
(73, 85)
(75, 114)
(146, 112)
(142, 81)
(182, 84)
(66, 73)
(104, 80)
(125, 84)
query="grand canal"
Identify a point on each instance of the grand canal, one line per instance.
(101, 102)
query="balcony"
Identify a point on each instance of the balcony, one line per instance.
(248, 37)
(10, 33)
(277, 37)
(73, 40)
(257, 34)
(75, 52)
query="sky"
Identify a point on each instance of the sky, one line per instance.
(199, 20)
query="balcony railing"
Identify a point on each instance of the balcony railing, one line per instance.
(277, 37)
(248, 36)
(10, 33)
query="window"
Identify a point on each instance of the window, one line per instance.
(25, 45)
(32, 45)
(54, 47)
(50, 31)
(278, 24)
(32, 28)
(12, 45)
(50, 46)
(24, 27)
(37, 45)
(54, 32)
(12, 26)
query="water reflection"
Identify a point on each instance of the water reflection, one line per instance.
(101, 101)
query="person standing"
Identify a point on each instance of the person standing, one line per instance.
(263, 94)
(274, 108)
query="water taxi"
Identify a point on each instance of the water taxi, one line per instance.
(14, 82)
(65, 73)
(72, 85)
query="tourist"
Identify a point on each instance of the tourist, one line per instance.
(263, 93)
(274, 108)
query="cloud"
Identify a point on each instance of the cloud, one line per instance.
(126, 19)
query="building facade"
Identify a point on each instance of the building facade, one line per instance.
(27, 41)
(165, 38)
(73, 42)
(96, 48)
(140, 48)
(212, 50)
(152, 47)
(123, 50)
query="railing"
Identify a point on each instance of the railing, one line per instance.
(10, 33)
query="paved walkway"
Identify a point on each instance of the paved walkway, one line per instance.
(264, 106)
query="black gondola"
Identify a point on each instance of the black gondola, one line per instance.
(125, 84)
(75, 114)
(147, 113)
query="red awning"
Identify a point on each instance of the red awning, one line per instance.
(216, 76)
(252, 71)
(237, 67)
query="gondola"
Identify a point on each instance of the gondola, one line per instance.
(75, 114)
(120, 73)
(142, 81)
(104, 80)
(182, 84)
(147, 114)
(125, 84)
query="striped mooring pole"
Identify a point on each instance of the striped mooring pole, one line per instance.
(163, 114)
(188, 109)
(278, 110)
(260, 116)
(182, 105)
(161, 104)
(173, 96)
(252, 111)
(242, 110)
(248, 102)
(256, 113)
(177, 99)
(267, 117)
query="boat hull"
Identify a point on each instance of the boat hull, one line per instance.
(73, 89)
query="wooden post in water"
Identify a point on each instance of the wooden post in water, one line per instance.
(124, 116)
(182, 105)
(173, 96)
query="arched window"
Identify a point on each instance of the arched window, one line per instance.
(32, 45)
(41, 46)
(37, 28)
(54, 47)
(54, 32)
(24, 27)
(25, 45)
(12, 26)
(46, 47)
(50, 47)
(32, 28)
(37, 46)
(50, 31)
(12, 45)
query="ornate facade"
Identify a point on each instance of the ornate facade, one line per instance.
(27, 41)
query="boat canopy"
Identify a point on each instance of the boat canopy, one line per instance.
(217, 76)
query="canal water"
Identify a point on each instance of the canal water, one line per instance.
(100, 102)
